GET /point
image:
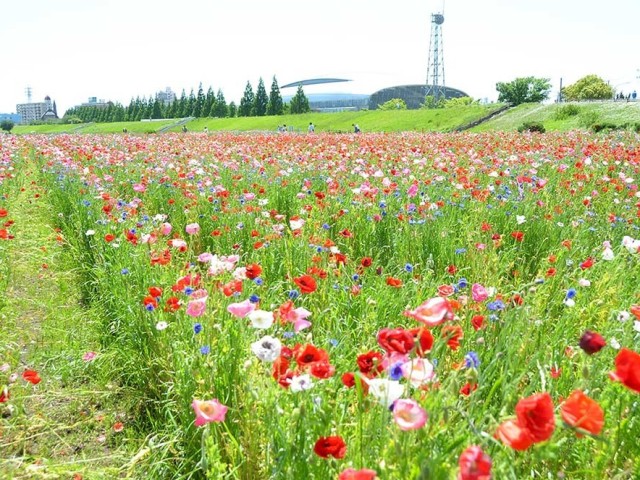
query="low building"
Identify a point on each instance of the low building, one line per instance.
(13, 117)
(167, 97)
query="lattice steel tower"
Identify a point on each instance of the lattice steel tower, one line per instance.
(435, 72)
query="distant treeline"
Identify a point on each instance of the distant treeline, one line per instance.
(200, 104)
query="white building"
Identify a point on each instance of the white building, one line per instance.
(167, 97)
(31, 112)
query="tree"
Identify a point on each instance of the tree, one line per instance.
(524, 90)
(209, 104)
(199, 103)
(233, 110)
(220, 108)
(459, 102)
(6, 125)
(299, 103)
(591, 87)
(431, 102)
(393, 104)
(246, 102)
(276, 105)
(261, 100)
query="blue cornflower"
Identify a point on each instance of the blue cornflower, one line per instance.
(495, 305)
(326, 226)
(471, 360)
(395, 371)
(460, 251)
(205, 349)
(86, 203)
(254, 298)
(355, 277)
(124, 271)
(408, 267)
(462, 283)
(293, 294)
(258, 281)
(188, 290)
(333, 342)
(197, 328)
(288, 334)
(571, 293)
(149, 307)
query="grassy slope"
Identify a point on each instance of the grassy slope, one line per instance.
(371, 120)
(614, 112)
(386, 121)
(116, 127)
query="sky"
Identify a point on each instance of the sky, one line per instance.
(118, 49)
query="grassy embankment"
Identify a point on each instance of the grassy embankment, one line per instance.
(369, 121)
(588, 113)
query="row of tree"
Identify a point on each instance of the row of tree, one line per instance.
(200, 104)
(534, 90)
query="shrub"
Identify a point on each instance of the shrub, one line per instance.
(605, 127)
(566, 111)
(532, 127)
(587, 119)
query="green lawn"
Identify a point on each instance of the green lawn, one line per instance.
(589, 112)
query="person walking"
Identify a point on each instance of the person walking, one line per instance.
(356, 128)
(311, 128)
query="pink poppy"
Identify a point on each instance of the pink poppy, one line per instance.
(432, 312)
(408, 414)
(478, 293)
(208, 411)
(241, 309)
(192, 228)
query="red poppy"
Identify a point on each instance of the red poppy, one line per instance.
(4, 395)
(31, 376)
(518, 236)
(370, 362)
(150, 301)
(580, 411)
(322, 369)
(109, 237)
(253, 271)
(396, 340)
(635, 311)
(309, 354)
(394, 282)
(3, 213)
(306, 283)
(366, 262)
(588, 263)
(333, 446)
(445, 290)
(474, 464)
(627, 369)
(477, 321)
(362, 474)
(468, 388)
(513, 435)
(155, 292)
(592, 342)
(423, 339)
(535, 414)
(453, 334)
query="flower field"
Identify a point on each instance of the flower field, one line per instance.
(392, 306)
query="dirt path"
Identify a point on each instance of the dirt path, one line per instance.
(72, 424)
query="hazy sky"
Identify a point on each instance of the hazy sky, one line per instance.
(116, 49)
